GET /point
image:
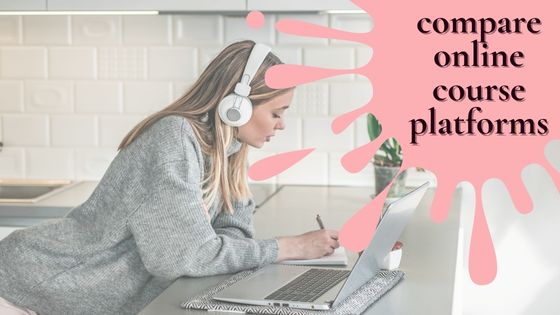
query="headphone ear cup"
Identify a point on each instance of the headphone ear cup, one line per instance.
(226, 103)
(245, 110)
(235, 110)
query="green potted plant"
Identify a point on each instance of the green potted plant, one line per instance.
(387, 160)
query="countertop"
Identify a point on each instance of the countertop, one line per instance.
(429, 251)
(57, 205)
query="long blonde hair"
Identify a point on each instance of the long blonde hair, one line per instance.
(225, 175)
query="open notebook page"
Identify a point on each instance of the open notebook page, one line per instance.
(337, 258)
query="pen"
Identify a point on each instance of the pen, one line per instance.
(318, 218)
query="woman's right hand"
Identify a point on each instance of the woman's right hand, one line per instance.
(310, 245)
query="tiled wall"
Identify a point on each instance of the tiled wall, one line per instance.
(72, 86)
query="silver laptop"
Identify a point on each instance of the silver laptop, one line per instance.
(323, 288)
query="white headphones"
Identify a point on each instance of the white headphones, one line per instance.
(236, 109)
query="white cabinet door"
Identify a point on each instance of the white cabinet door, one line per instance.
(6, 230)
(300, 5)
(23, 5)
(160, 5)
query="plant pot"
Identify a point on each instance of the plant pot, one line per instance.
(383, 176)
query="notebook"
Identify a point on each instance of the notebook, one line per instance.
(338, 258)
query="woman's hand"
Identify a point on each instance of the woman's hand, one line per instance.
(311, 245)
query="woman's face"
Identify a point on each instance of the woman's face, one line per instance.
(266, 119)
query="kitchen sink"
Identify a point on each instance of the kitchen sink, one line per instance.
(30, 191)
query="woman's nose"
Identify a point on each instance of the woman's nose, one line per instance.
(280, 125)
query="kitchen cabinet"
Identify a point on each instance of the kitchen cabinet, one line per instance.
(160, 5)
(300, 5)
(23, 5)
(178, 5)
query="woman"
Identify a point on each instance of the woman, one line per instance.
(174, 202)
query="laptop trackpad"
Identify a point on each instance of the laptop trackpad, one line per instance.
(263, 282)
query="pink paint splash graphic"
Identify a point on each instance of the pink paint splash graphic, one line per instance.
(274, 165)
(358, 237)
(404, 75)
(481, 251)
(255, 19)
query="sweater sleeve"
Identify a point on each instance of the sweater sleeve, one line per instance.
(239, 224)
(174, 237)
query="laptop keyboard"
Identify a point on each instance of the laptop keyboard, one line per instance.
(310, 285)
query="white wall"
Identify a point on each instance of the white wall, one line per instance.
(72, 86)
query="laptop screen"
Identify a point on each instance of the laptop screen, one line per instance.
(389, 229)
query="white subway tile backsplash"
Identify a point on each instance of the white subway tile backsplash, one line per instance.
(356, 23)
(312, 170)
(10, 30)
(92, 163)
(12, 163)
(289, 39)
(363, 56)
(122, 63)
(49, 96)
(335, 57)
(289, 55)
(317, 133)
(198, 30)
(83, 72)
(172, 63)
(146, 97)
(98, 97)
(72, 63)
(49, 163)
(205, 55)
(236, 29)
(331, 58)
(146, 29)
(23, 62)
(340, 176)
(360, 127)
(346, 97)
(180, 88)
(288, 139)
(112, 129)
(46, 30)
(310, 99)
(25, 130)
(73, 130)
(96, 30)
(11, 96)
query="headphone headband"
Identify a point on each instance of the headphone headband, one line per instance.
(256, 58)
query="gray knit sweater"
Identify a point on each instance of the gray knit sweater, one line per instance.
(143, 226)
